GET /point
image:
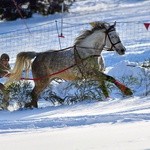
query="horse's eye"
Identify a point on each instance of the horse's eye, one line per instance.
(113, 36)
(116, 36)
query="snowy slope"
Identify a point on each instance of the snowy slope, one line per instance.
(122, 124)
(118, 124)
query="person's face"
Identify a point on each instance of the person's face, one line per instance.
(5, 61)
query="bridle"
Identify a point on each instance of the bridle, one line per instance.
(113, 45)
(79, 59)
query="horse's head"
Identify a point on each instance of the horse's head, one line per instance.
(112, 40)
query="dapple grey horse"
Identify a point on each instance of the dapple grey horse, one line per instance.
(83, 60)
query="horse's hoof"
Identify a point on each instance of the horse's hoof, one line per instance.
(31, 105)
(128, 92)
(27, 105)
(125, 90)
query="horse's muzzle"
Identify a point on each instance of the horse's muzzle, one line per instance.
(123, 51)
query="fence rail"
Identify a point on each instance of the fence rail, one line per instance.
(45, 37)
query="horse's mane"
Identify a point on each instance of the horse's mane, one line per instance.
(96, 26)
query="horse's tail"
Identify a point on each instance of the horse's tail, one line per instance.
(23, 62)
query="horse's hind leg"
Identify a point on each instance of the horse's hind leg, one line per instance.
(40, 85)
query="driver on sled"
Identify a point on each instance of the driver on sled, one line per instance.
(4, 72)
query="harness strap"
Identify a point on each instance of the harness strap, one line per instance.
(55, 73)
(78, 60)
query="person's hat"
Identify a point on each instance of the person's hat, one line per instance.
(4, 56)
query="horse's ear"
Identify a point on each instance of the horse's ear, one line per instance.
(93, 24)
(114, 24)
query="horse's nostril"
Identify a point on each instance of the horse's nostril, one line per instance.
(122, 50)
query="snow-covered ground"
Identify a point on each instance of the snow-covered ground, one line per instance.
(118, 124)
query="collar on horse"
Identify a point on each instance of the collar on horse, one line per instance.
(79, 61)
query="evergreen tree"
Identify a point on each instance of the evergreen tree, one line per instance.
(13, 9)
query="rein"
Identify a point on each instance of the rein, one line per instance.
(55, 73)
(111, 29)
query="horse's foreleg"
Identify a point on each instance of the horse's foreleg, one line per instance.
(101, 79)
(125, 90)
(104, 88)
